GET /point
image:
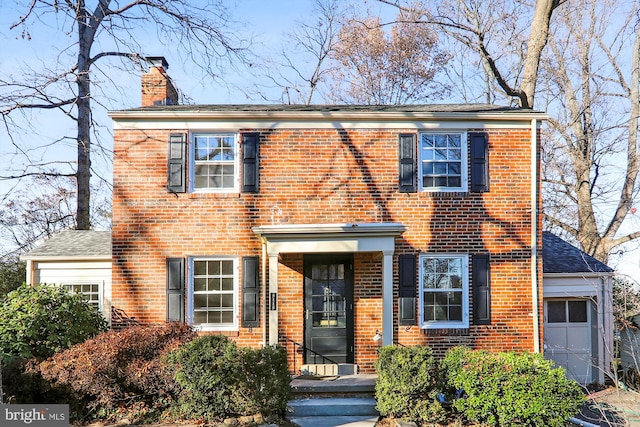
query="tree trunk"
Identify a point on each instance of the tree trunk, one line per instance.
(538, 38)
(83, 103)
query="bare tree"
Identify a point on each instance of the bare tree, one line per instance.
(395, 67)
(101, 33)
(304, 64)
(475, 23)
(591, 153)
(39, 210)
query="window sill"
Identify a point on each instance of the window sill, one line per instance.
(208, 328)
(437, 332)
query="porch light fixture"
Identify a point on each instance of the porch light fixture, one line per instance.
(378, 336)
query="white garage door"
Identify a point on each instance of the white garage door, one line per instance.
(567, 337)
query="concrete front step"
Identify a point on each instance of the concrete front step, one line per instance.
(343, 421)
(332, 407)
(330, 369)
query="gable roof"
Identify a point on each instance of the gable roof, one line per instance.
(73, 244)
(559, 256)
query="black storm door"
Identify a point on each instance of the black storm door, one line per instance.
(328, 303)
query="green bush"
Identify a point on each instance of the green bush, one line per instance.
(116, 374)
(503, 389)
(221, 380)
(408, 384)
(39, 321)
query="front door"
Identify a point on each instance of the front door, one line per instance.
(328, 303)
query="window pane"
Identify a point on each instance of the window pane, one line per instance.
(227, 267)
(199, 284)
(577, 311)
(226, 317)
(200, 301)
(214, 284)
(200, 317)
(556, 312)
(440, 181)
(227, 284)
(213, 267)
(455, 313)
(440, 168)
(440, 140)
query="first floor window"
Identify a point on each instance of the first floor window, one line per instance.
(444, 291)
(90, 292)
(213, 300)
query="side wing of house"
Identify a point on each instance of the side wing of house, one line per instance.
(578, 311)
(79, 260)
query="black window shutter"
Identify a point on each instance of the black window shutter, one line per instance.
(177, 163)
(250, 167)
(481, 290)
(479, 162)
(407, 166)
(407, 289)
(250, 292)
(175, 289)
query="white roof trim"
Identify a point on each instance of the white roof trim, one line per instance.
(365, 229)
(581, 274)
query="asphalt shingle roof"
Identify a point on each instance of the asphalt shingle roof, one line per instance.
(560, 256)
(418, 108)
(74, 244)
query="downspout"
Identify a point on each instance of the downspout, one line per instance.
(264, 291)
(534, 236)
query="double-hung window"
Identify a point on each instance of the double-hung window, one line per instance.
(444, 291)
(214, 293)
(443, 161)
(215, 162)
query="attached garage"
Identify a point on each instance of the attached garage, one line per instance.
(578, 311)
(79, 260)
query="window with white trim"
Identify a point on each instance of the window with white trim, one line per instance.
(90, 291)
(444, 291)
(443, 161)
(215, 162)
(213, 293)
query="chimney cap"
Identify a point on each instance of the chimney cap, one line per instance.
(157, 61)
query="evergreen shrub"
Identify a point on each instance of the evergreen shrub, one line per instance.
(221, 380)
(407, 384)
(503, 389)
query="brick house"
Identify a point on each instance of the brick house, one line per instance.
(339, 228)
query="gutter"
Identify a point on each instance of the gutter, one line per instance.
(535, 300)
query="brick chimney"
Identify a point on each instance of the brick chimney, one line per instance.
(157, 88)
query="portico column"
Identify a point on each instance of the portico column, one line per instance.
(272, 299)
(387, 297)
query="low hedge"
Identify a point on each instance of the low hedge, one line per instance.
(408, 385)
(503, 389)
(221, 380)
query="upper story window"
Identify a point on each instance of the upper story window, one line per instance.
(444, 291)
(215, 162)
(443, 161)
(213, 297)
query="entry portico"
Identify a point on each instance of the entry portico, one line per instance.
(331, 239)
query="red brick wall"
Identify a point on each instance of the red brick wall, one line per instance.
(328, 176)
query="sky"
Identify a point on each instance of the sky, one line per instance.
(265, 21)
